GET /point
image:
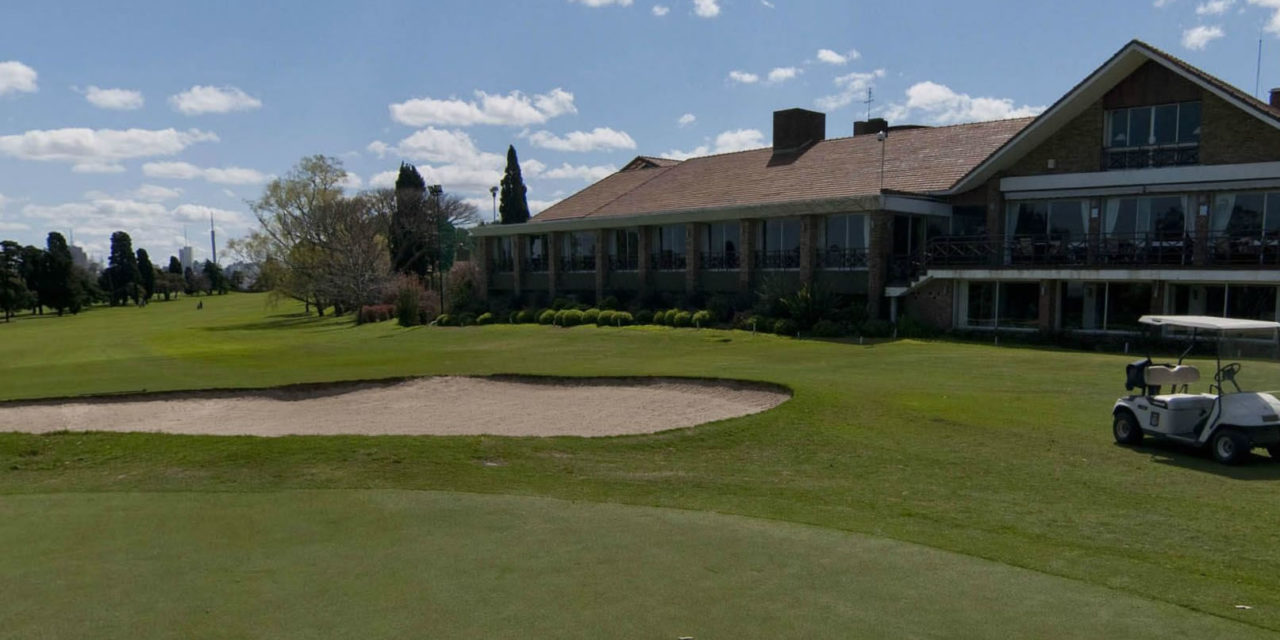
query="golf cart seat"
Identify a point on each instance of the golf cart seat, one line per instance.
(1160, 375)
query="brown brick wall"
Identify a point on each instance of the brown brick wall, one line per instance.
(1075, 148)
(1229, 135)
(931, 304)
(879, 245)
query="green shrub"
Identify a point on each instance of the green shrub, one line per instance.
(682, 319)
(590, 316)
(623, 319)
(375, 313)
(605, 318)
(546, 316)
(910, 327)
(786, 327)
(644, 316)
(485, 318)
(527, 316)
(757, 323)
(702, 319)
(670, 318)
(408, 300)
(610, 303)
(660, 317)
(444, 320)
(561, 303)
(569, 318)
(465, 319)
(720, 308)
(828, 329)
(877, 329)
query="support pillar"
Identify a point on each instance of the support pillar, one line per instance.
(519, 248)
(693, 258)
(481, 259)
(602, 264)
(642, 259)
(1048, 319)
(879, 246)
(747, 256)
(808, 248)
(553, 262)
(1094, 241)
(1202, 209)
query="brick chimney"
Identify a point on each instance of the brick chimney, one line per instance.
(797, 129)
(1275, 98)
(870, 127)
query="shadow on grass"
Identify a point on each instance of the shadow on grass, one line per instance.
(1255, 467)
(274, 322)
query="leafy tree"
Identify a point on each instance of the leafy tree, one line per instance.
(121, 278)
(14, 293)
(59, 287)
(146, 273)
(175, 265)
(513, 207)
(216, 280)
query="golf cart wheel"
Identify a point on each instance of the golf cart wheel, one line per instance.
(1126, 429)
(1229, 446)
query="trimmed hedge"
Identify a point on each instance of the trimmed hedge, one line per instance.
(605, 318)
(828, 329)
(444, 320)
(644, 316)
(590, 316)
(682, 319)
(702, 319)
(547, 316)
(485, 318)
(623, 319)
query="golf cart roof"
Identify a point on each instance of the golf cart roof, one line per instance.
(1209, 322)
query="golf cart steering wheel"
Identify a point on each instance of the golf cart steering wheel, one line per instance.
(1228, 373)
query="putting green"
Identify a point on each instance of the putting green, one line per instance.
(395, 564)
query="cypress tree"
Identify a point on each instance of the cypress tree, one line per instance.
(175, 266)
(513, 207)
(59, 288)
(122, 273)
(146, 273)
(409, 243)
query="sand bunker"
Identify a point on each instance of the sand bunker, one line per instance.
(425, 406)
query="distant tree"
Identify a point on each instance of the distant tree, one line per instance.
(146, 274)
(216, 279)
(411, 234)
(122, 276)
(14, 293)
(513, 206)
(175, 265)
(59, 287)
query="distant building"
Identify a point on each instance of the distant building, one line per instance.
(185, 257)
(78, 257)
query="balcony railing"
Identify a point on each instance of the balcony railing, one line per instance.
(577, 263)
(536, 264)
(668, 261)
(1129, 249)
(777, 260)
(1150, 157)
(835, 258)
(502, 264)
(1236, 249)
(624, 263)
(720, 261)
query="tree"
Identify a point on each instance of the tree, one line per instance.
(513, 207)
(59, 287)
(121, 277)
(215, 279)
(410, 231)
(175, 265)
(146, 274)
(14, 293)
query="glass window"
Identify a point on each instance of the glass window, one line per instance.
(782, 234)
(1167, 216)
(668, 240)
(1165, 129)
(1272, 221)
(969, 221)
(580, 244)
(624, 249)
(845, 232)
(1066, 219)
(1119, 126)
(1189, 122)
(1122, 216)
(1139, 127)
(1019, 304)
(981, 310)
(537, 246)
(722, 237)
(1032, 218)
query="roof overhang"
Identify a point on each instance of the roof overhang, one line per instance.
(1068, 107)
(1260, 175)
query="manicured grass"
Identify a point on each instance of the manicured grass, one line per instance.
(999, 454)
(394, 564)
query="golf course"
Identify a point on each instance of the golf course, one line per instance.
(904, 489)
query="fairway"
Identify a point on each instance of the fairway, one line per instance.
(907, 489)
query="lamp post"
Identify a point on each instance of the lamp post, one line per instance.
(493, 191)
(436, 191)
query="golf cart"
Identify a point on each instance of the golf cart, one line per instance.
(1231, 422)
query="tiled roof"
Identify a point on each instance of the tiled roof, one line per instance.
(915, 160)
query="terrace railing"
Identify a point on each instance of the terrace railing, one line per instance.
(836, 258)
(719, 260)
(668, 261)
(777, 260)
(536, 264)
(1150, 157)
(1243, 250)
(1059, 250)
(502, 264)
(624, 263)
(577, 263)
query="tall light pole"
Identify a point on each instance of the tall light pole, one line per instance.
(493, 191)
(436, 191)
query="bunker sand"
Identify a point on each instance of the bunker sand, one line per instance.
(446, 406)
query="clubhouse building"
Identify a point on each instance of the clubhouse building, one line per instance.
(1150, 187)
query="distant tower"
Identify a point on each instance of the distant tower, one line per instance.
(213, 241)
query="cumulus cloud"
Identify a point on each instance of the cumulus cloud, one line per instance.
(831, 57)
(1197, 38)
(1214, 7)
(153, 226)
(384, 180)
(98, 150)
(155, 193)
(727, 142)
(1160, 4)
(850, 87)
(686, 119)
(202, 213)
(16, 77)
(585, 173)
(660, 10)
(598, 139)
(939, 104)
(782, 74)
(352, 182)
(206, 99)
(742, 77)
(117, 99)
(188, 171)
(454, 159)
(706, 8)
(1273, 24)
(513, 109)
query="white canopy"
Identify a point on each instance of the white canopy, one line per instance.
(1209, 322)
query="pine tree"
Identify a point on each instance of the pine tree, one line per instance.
(513, 207)
(175, 265)
(147, 274)
(59, 288)
(121, 276)
(409, 244)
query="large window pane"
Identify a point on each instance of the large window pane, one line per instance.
(1189, 122)
(1253, 303)
(982, 305)
(1272, 223)
(1246, 215)
(836, 232)
(1167, 217)
(1126, 303)
(969, 221)
(1139, 127)
(1119, 127)
(1066, 220)
(1032, 219)
(1020, 304)
(1166, 124)
(1122, 216)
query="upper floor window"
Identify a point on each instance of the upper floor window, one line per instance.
(667, 249)
(578, 252)
(1155, 126)
(624, 250)
(721, 246)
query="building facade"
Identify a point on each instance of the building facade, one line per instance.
(1151, 186)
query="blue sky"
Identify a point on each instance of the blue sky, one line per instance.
(152, 116)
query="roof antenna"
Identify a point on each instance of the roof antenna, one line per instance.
(868, 102)
(1257, 78)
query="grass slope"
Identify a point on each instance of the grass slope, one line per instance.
(1002, 454)
(393, 564)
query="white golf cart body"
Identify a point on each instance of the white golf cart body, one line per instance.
(1253, 418)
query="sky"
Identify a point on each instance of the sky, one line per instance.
(152, 117)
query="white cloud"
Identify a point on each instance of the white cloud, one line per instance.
(582, 172)
(384, 180)
(727, 142)
(686, 119)
(1273, 24)
(16, 77)
(603, 3)
(152, 226)
(851, 86)
(513, 109)
(598, 139)
(1214, 7)
(767, 3)
(118, 99)
(201, 213)
(538, 206)
(742, 77)
(939, 104)
(188, 171)
(831, 57)
(206, 99)
(352, 181)
(1160, 4)
(783, 74)
(660, 10)
(1197, 38)
(706, 8)
(98, 150)
(459, 164)
(155, 193)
